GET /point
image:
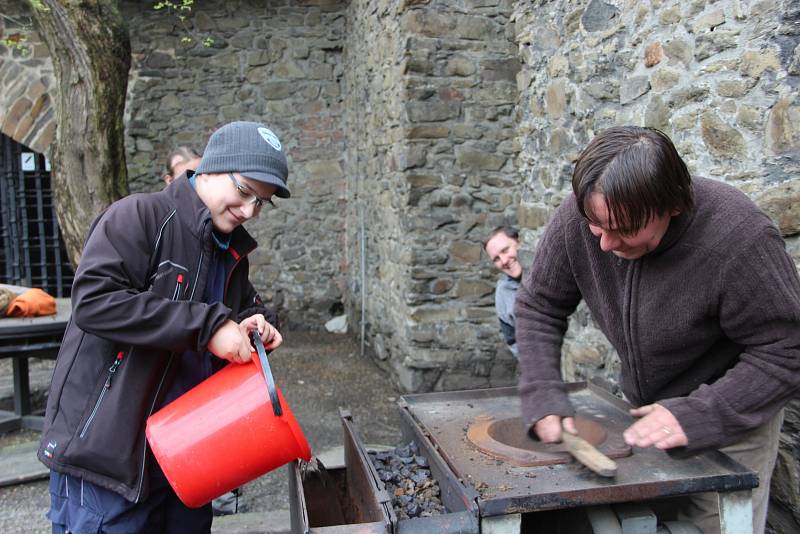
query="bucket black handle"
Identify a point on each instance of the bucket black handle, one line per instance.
(273, 391)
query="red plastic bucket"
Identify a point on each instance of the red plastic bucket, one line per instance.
(222, 433)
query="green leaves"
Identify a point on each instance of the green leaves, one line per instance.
(181, 10)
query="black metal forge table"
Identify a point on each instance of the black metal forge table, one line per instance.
(504, 491)
(29, 337)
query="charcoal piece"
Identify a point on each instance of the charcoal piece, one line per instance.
(412, 509)
(420, 477)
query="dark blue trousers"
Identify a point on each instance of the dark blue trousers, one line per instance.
(83, 508)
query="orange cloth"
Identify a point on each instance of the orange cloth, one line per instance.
(32, 303)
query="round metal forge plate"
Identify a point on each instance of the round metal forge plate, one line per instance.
(507, 439)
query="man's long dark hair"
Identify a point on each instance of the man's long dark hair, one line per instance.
(639, 173)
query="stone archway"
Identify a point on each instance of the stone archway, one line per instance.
(26, 110)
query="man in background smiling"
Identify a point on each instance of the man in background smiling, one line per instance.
(502, 246)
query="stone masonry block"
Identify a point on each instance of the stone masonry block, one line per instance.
(713, 43)
(479, 160)
(45, 135)
(708, 22)
(722, 139)
(475, 27)
(782, 204)
(466, 251)
(427, 22)
(633, 88)
(783, 127)
(14, 115)
(599, 16)
(432, 111)
(755, 62)
(24, 127)
(40, 104)
(653, 54)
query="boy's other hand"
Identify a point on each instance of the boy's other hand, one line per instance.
(230, 343)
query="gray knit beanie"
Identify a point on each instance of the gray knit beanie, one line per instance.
(252, 150)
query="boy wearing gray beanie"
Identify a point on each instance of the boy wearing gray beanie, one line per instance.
(161, 300)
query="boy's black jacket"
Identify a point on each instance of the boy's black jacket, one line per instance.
(135, 308)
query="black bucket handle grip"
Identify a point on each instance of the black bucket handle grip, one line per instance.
(273, 391)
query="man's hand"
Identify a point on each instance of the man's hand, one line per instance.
(657, 428)
(548, 428)
(269, 334)
(230, 343)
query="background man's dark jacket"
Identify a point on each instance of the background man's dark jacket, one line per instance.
(136, 306)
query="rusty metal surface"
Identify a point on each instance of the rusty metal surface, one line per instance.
(507, 439)
(354, 504)
(504, 488)
(367, 501)
(316, 508)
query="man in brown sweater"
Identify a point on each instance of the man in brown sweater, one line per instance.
(691, 284)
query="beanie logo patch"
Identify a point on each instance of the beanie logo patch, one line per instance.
(270, 138)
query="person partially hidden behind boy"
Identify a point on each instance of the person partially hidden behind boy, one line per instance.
(161, 300)
(180, 160)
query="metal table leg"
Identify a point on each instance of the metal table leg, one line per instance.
(736, 512)
(22, 392)
(501, 524)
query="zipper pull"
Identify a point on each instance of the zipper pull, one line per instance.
(178, 284)
(113, 369)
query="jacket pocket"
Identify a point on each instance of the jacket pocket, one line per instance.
(103, 390)
(169, 280)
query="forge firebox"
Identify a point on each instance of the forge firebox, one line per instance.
(493, 479)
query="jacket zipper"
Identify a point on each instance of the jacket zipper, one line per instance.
(161, 382)
(633, 357)
(111, 370)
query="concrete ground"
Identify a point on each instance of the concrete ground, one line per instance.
(316, 372)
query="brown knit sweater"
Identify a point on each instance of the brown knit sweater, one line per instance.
(708, 323)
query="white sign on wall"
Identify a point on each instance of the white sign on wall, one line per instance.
(28, 161)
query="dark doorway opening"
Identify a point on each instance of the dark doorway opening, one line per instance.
(33, 253)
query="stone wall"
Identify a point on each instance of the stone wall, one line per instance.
(720, 78)
(26, 75)
(431, 94)
(278, 62)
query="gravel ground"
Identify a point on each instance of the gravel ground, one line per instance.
(316, 372)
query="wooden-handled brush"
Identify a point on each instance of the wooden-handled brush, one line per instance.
(585, 453)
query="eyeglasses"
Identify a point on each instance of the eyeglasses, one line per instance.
(250, 197)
